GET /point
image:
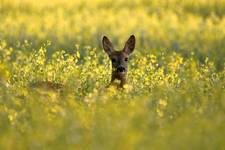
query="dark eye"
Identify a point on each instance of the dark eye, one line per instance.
(126, 59)
(113, 60)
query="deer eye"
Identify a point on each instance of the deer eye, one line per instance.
(126, 59)
(113, 60)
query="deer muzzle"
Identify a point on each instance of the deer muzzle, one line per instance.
(121, 69)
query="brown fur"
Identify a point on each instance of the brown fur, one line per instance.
(119, 59)
(47, 85)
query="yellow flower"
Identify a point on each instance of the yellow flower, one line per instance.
(160, 113)
(162, 102)
(78, 54)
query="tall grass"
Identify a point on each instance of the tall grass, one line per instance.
(174, 98)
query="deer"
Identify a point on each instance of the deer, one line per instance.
(119, 59)
(47, 85)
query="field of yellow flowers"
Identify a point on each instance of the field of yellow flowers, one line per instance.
(175, 95)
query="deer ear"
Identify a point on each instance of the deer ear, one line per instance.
(130, 45)
(107, 45)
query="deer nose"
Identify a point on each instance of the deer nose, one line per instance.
(121, 69)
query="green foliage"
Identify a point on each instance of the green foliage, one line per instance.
(174, 98)
(184, 26)
(166, 95)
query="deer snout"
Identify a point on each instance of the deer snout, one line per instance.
(121, 69)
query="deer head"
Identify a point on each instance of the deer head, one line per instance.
(119, 59)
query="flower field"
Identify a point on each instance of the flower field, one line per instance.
(174, 97)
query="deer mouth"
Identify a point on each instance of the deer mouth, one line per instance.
(120, 75)
(121, 72)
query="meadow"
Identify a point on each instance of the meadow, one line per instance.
(175, 95)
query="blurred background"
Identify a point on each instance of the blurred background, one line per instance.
(174, 98)
(184, 26)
